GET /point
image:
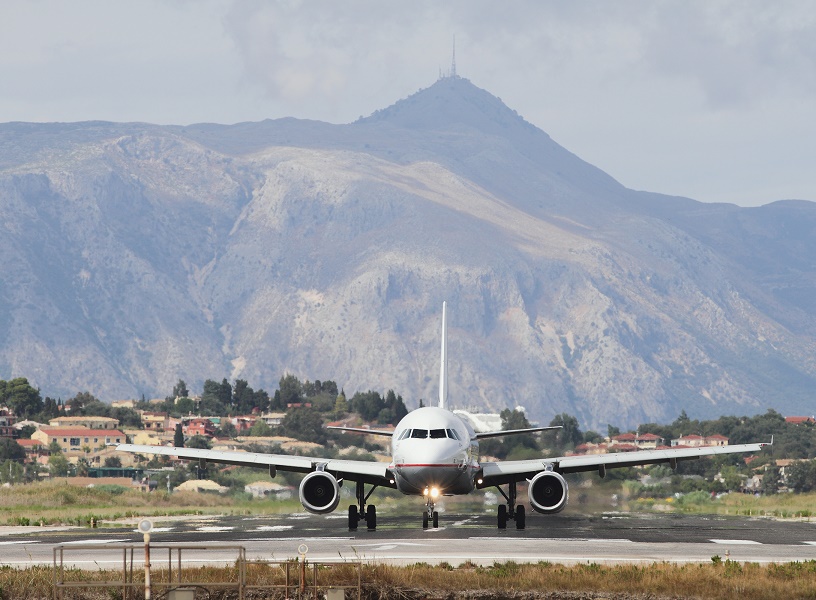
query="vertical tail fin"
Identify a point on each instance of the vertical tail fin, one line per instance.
(443, 368)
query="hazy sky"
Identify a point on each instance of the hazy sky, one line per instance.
(715, 100)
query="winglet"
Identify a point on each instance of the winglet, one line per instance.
(443, 367)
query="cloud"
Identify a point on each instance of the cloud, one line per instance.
(736, 53)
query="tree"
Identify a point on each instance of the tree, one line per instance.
(59, 465)
(341, 406)
(78, 402)
(184, 406)
(113, 462)
(180, 390)
(770, 480)
(368, 404)
(243, 397)
(227, 429)
(10, 450)
(23, 399)
(801, 476)
(570, 434)
(26, 431)
(178, 437)
(304, 424)
(225, 393)
(199, 441)
(260, 429)
(290, 390)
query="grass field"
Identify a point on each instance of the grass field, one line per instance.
(721, 580)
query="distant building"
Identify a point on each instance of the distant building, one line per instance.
(89, 422)
(7, 420)
(123, 404)
(800, 420)
(697, 441)
(77, 438)
(199, 426)
(156, 421)
(273, 419)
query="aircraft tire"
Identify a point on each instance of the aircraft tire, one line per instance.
(436, 520)
(502, 516)
(425, 520)
(353, 517)
(371, 517)
(521, 517)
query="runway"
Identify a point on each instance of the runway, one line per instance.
(565, 539)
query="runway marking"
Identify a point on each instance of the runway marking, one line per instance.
(810, 543)
(390, 546)
(274, 527)
(542, 539)
(737, 542)
(157, 530)
(214, 528)
(95, 541)
(19, 542)
(297, 539)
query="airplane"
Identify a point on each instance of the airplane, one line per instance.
(435, 453)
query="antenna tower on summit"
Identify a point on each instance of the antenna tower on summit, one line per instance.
(453, 60)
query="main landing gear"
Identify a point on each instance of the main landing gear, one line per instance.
(363, 513)
(511, 510)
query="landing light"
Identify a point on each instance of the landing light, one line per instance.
(434, 492)
(480, 481)
(425, 493)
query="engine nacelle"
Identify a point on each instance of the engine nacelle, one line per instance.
(319, 492)
(548, 492)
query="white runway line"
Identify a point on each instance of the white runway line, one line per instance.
(737, 542)
(19, 542)
(214, 529)
(95, 541)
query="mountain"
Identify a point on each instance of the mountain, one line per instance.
(134, 255)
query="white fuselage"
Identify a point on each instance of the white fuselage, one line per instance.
(433, 449)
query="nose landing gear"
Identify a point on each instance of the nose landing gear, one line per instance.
(430, 515)
(511, 511)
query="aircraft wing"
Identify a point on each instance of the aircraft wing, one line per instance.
(355, 470)
(500, 472)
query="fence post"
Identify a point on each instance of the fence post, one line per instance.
(145, 525)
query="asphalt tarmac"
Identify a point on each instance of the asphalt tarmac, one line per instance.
(564, 538)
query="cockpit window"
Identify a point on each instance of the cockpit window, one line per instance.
(438, 433)
(452, 434)
(404, 434)
(419, 433)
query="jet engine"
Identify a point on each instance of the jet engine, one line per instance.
(548, 492)
(319, 492)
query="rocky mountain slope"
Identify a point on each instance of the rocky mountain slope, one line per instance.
(132, 255)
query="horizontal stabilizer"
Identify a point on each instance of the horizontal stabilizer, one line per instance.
(491, 434)
(362, 430)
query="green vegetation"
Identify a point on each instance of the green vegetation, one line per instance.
(720, 579)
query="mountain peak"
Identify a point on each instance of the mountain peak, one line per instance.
(451, 102)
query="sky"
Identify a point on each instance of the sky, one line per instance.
(709, 99)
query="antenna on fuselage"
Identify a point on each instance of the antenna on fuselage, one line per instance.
(443, 367)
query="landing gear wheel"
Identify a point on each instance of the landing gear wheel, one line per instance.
(354, 517)
(502, 516)
(371, 517)
(425, 520)
(436, 520)
(521, 517)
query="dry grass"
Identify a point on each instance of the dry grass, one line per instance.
(722, 581)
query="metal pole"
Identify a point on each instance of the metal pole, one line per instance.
(147, 565)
